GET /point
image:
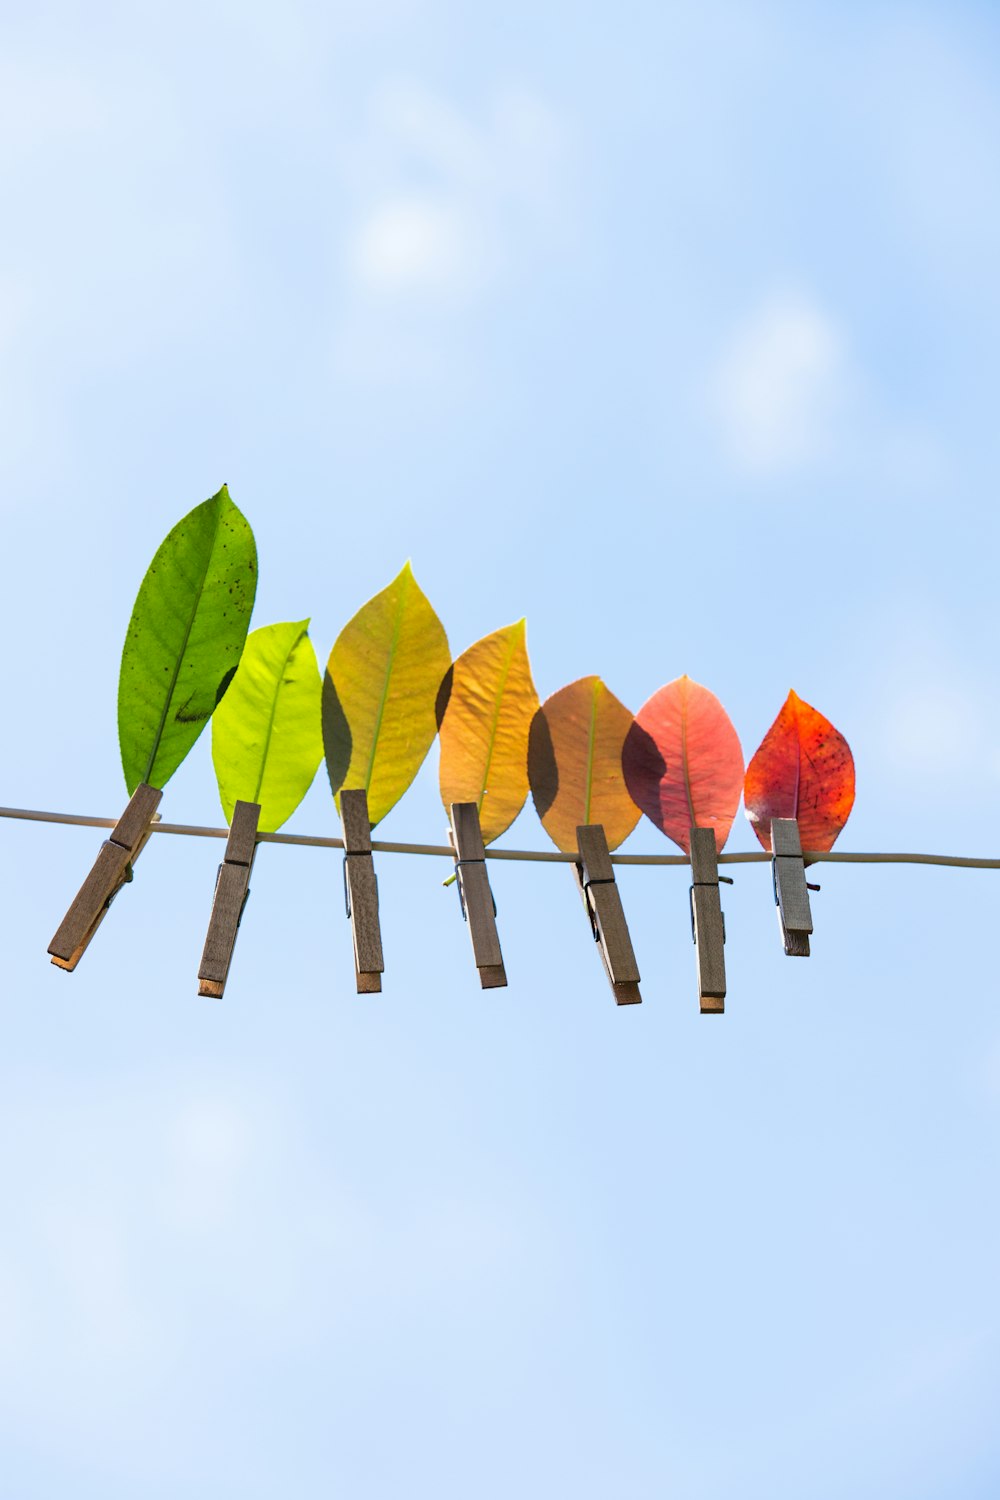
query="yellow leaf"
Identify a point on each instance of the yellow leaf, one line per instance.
(575, 764)
(484, 733)
(380, 694)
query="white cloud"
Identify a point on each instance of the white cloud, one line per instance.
(781, 385)
(411, 243)
(445, 205)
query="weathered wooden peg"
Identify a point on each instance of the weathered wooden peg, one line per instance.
(791, 894)
(595, 877)
(475, 894)
(232, 887)
(361, 891)
(112, 869)
(708, 925)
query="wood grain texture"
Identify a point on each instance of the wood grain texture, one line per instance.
(362, 891)
(794, 911)
(785, 838)
(466, 828)
(595, 877)
(595, 856)
(241, 844)
(232, 887)
(796, 943)
(133, 825)
(89, 905)
(354, 821)
(109, 872)
(477, 897)
(709, 929)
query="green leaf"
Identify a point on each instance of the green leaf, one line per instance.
(380, 694)
(185, 638)
(266, 740)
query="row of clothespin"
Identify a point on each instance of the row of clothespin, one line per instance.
(593, 870)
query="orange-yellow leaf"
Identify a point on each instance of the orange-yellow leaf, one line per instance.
(683, 763)
(804, 769)
(380, 694)
(575, 764)
(484, 732)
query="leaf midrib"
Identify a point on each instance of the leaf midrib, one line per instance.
(590, 748)
(798, 766)
(397, 627)
(496, 720)
(179, 661)
(684, 763)
(274, 710)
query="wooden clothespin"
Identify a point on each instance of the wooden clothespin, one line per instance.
(791, 893)
(708, 925)
(361, 891)
(478, 907)
(232, 887)
(595, 877)
(112, 869)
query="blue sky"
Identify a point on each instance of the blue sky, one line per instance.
(675, 329)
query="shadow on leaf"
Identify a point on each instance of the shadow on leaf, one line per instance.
(444, 696)
(543, 773)
(337, 741)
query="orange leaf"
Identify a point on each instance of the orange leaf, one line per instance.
(575, 764)
(484, 731)
(683, 763)
(804, 769)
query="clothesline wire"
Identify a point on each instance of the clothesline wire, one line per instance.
(382, 846)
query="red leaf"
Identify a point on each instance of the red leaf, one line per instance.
(804, 769)
(683, 763)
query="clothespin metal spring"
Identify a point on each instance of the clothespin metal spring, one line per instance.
(475, 895)
(361, 891)
(595, 879)
(112, 869)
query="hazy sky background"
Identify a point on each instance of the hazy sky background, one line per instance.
(675, 328)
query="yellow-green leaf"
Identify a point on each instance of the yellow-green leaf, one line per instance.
(266, 740)
(484, 732)
(380, 694)
(575, 764)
